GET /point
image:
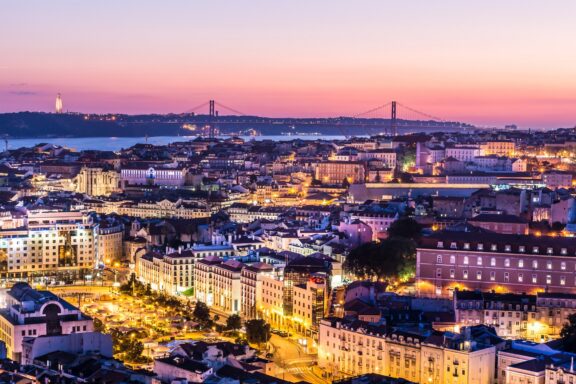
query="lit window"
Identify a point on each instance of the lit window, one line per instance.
(507, 262)
(494, 247)
(563, 265)
(562, 280)
(479, 275)
(479, 261)
(452, 259)
(548, 279)
(466, 245)
(535, 250)
(480, 247)
(466, 260)
(535, 264)
(493, 262)
(506, 277)
(520, 263)
(439, 259)
(549, 251)
(452, 274)
(465, 274)
(563, 251)
(521, 249)
(508, 248)
(549, 265)
(520, 277)
(492, 275)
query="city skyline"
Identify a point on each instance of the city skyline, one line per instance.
(489, 64)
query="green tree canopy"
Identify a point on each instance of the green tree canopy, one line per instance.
(405, 227)
(257, 331)
(234, 322)
(568, 334)
(201, 312)
(391, 259)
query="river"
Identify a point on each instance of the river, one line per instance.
(117, 143)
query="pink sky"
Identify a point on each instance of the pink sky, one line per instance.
(488, 63)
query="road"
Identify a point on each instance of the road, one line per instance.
(295, 364)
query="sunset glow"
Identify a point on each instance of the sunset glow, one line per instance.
(488, 63)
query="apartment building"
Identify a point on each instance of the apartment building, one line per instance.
(31, 313)
(110, 243)
(217, 283)
(486, 261)
(499, 147)
(353, 347)
(335, 172)
(47, 244)
(251, 283)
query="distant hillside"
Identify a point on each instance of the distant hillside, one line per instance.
(36, 124)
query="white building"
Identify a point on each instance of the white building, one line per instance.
(31, 313)
(47, 245)
(167, 175)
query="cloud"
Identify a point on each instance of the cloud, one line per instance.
(23, 93)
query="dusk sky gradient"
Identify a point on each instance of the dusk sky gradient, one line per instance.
(485, 62)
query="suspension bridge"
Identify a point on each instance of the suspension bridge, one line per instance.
(390, 119)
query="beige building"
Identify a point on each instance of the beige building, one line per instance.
(217, 283)
(251, 282)
(149, 209)
(272, 306)
(335, 172)
(96, 181)
(499, 148)
(110, 243)
(356, 348)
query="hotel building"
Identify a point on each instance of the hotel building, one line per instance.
(47, 244)
(334, 172)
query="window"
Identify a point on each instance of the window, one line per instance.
(534, 264)
(520, 263)
(506, 277)
(466, 245)
(521, 249)
(534, 279)
(466, 260)
(465, 274)
(507, 262)
(548, 265)
(563, 251)
(548, 279)
(535, 250)
(563, 265)
(492, 275)
(479, 275)
(493, 262)
(494, 247)
(440, 244)
(549, 251)
(452, 259)
(453, 245)
(508, 248)
(479, 261)
(439, 259)
(520, 277)
(562, 280)
(480, 247)
(452, 274)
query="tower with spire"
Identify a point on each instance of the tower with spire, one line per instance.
(59, 105)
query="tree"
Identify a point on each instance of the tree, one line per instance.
(345, 183)
(216, 318)
(568, 334)
(201, 312)
(99, 326)
(257, 331)
(405, 227)
(234, 322)
(391, 259)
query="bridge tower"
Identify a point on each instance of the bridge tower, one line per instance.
(212, 119)
(393, 120)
